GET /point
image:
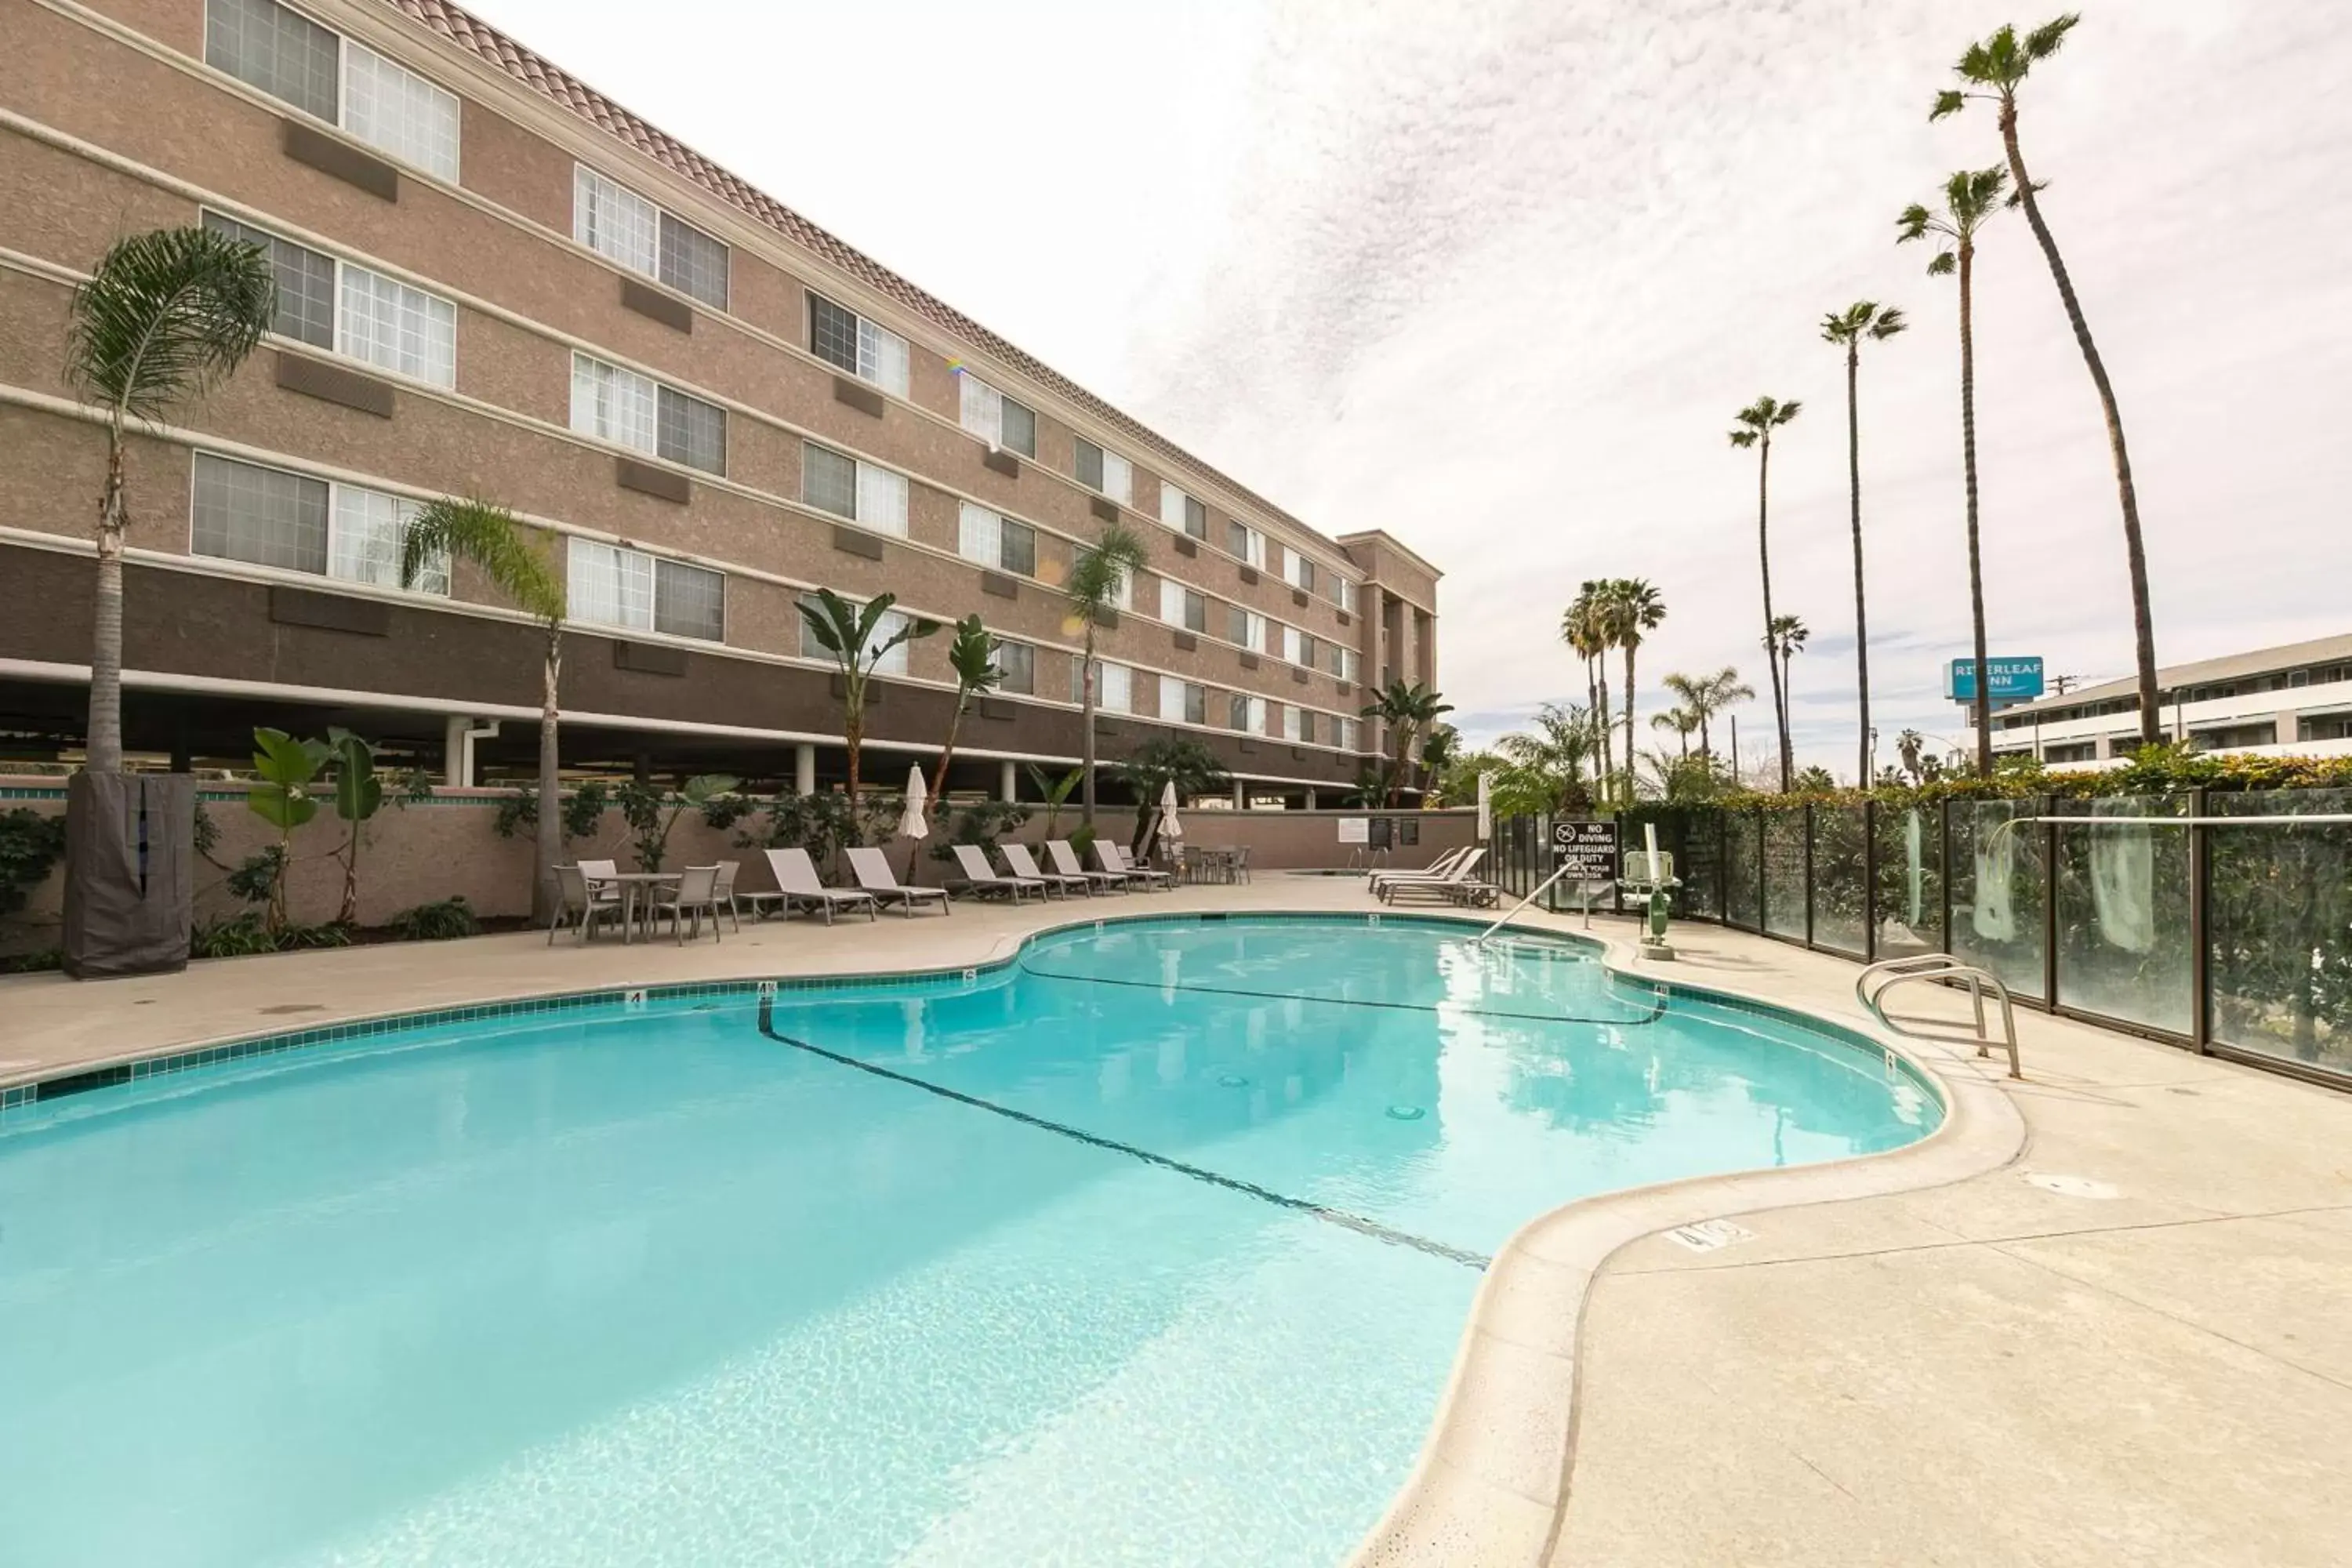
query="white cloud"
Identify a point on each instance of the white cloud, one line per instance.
(1493, 278)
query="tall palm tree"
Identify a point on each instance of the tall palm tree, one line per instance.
(523, 572)
(1971, 198)
(1582, 627)
(1782, 642)
(1407, 711)
(1634, 607)
(1756, 423)
(1847, 329)
(1996, 68)
(166, 317)
(1097, 579)
(854, 635)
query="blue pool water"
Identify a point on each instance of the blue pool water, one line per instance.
(1153, 1247)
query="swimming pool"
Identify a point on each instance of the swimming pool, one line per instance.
(1152, 1245)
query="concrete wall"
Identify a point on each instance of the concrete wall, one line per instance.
(449, 846)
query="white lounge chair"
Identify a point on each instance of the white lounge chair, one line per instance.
(872, 868)
(1437, 888)
(1113, 857)
(796, 878)
(980, 878)
(1437, 868)
(1023, 864)
(696, 893)
(1066, 864)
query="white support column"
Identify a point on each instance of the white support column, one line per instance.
(1310, 798)
(1241, 795)
(804, 769)
(1008, 783)
(456, 754)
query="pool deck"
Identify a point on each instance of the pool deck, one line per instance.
(1923, 1358)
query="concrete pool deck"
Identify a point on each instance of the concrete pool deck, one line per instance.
(1977, 1370)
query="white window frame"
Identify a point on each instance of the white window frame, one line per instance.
(1296, 569)
(1114, 677)
(430, 159)
(344, 346)
(589, 182)
(1343, 592)
(980, 409)
(639, 563)
(620, 380)
(1293, 720)
(432, 581)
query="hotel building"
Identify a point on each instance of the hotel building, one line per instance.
(2290, 702)
(494, 282)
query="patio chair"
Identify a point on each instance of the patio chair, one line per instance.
(981, 878)
(1421, 888)
(796, 878)
(1023, 864)
(694, 893)
(726, 893)
(1437, 868)
(872, 868)
(1240, 863)
(1065, 861)
(1113, 857)
(580, 901)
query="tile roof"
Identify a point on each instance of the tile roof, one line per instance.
(470, 33)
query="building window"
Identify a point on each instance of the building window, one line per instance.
(1181, 607)
(1181, 700)
(1299, 571)
(1182, 513)
(690, 602)
(692, 262)
(871, 497)
(628, 588)
(691, 431)
(1246, 628)
(1018, 663)
(389, 106)
(1351, 735)
(1246, 714)
(1297, 647)
(893, 662)
(290, 58)
(271, 518)
(306, 282)
(397, 328)
(1246, 543)
(1114, 686)
(997, 542)
(1293, 721)
(996, 418)
(2324, 726)
(615, 405)
(621, 225)
(1101, 470)
(845, 339)
(1343, 592)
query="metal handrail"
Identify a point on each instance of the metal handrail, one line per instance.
(1937, 966)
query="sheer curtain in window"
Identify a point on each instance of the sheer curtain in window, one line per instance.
(613, 221)
(400, 329)
(980, 535)
(610, 588)
(391, 107)
(882, 357)
(881, 500)
(615, 405)
(365, 536)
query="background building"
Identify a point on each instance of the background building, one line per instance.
(2290, 701)
(495, 282)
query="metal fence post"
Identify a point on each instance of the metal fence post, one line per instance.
(1944, 859)
(1722, 865)
(1808, 875)
(2049, 903)
(2201, 949)
(1869, 880)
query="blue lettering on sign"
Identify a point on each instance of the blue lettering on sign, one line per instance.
(2014, 679)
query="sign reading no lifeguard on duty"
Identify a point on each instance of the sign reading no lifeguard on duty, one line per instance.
(1587, 851)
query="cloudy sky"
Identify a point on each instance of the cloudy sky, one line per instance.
(1493, 276)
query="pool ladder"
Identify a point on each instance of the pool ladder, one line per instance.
(1871, 986)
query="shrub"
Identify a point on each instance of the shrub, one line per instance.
(442, 922)
(36, 961)
(234, 938)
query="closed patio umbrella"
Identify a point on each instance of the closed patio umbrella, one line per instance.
(912, 822)
(1170, 826)
(1485, 807)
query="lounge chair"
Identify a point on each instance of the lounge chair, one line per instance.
(696, 893)
(1437, 868)
(581, 902)
(1065, 861)
(872, 868)
(796, 878)
(980, 878)
(1113, 857)
(1024, 864)
(1432, 888)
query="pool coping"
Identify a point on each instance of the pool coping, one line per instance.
(1489, 1485)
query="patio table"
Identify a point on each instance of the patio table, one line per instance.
(630, 882)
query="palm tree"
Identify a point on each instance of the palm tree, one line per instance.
(1782, 642)
(1582, 628)
(1407, 709)
(519, 569)
(1847, 329)
(1997, 68)
(1970, 197)
(853, 635)
(1634, 606)
(1705, 696)
(973, 655)
(1546, 769)
(1683, 722)
(1756, 422)
(1097, 579)
(166, 317)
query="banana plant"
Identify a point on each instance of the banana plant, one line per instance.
(284, 798)
(1056, 792)
(359, 795)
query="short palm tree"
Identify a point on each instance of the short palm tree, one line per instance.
(1864, 319)
(1407, 709)
(1634, 607)
(1705, 696)
(972, 654)
(1970, 197)
(166, 317)
(1784, 642)
(1993, 70)
(1547, 767)
(521, 572)
(1754, 425)
(1098, 579)
(853, 635)
(1683, 722)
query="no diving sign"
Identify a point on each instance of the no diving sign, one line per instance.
(1587, 851)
